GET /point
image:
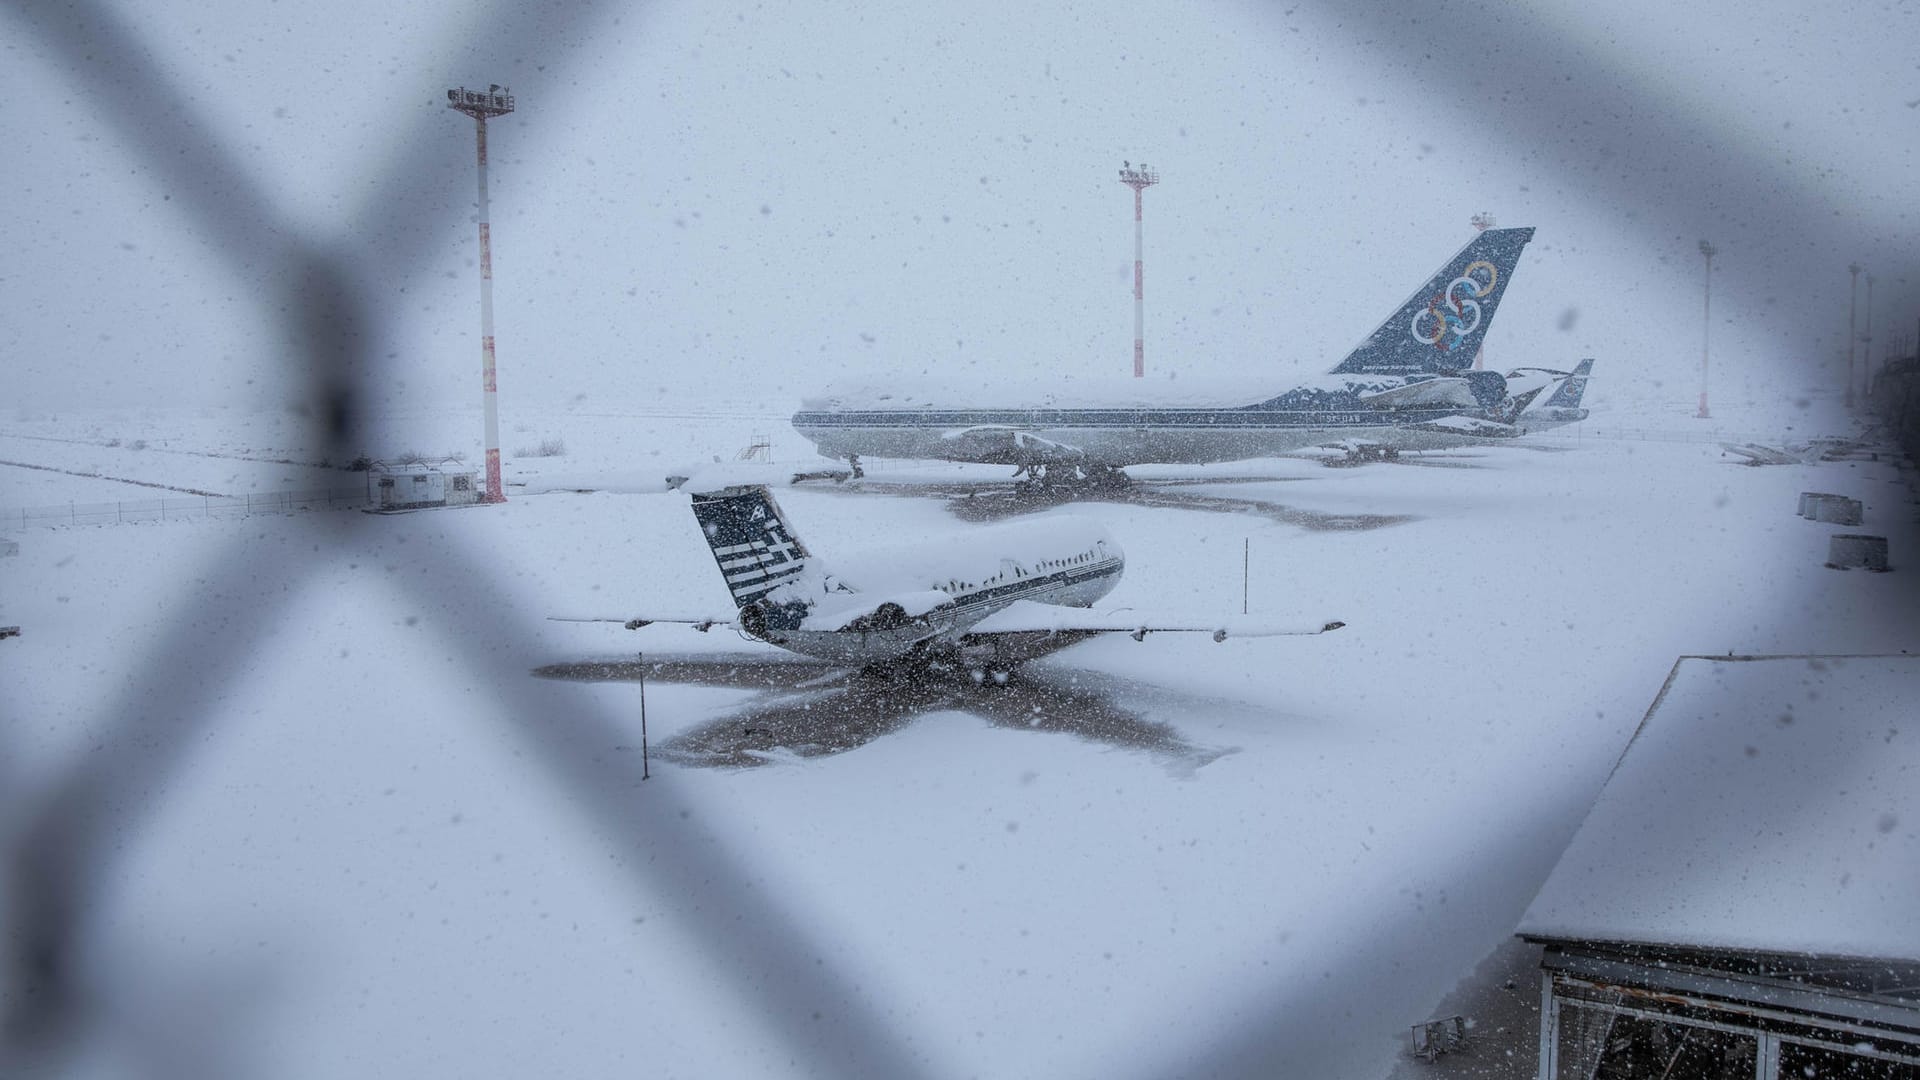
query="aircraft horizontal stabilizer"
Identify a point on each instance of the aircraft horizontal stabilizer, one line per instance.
(1025, 617)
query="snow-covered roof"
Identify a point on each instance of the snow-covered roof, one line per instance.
(1766, 804)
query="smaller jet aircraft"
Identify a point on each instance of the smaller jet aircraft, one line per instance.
(1560, 407)
(1525, 387)
(983, 602)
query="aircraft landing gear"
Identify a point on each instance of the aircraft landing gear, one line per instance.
(981, 675)
(1363, 453)
(1079, 476)
(1105, 477)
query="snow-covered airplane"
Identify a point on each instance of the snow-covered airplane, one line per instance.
(1533, 414)
(1409, 385)
(982, 602)
(1560, 407)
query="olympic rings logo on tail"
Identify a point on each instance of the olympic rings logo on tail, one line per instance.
(1455, 310)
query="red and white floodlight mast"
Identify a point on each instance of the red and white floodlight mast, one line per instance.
(494, 101)
(1138, 179)
(1481, 222)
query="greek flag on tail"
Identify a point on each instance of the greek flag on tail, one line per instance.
(1440, 327)
(750, 539)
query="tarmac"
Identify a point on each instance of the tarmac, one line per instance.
(1500, 1001)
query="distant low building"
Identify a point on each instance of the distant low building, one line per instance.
(1743, 900)
(416, 484)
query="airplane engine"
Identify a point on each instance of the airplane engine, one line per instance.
(888, 616)
(765, 621)
(753, 621)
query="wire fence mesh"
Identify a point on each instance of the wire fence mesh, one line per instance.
(65, 834)
(61, 847)
(200, 508)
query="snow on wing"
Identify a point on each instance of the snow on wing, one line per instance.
(1027, 617)
(995, 443)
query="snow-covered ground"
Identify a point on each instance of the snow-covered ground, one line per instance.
(350, 832)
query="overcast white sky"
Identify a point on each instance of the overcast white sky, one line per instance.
(720, 204)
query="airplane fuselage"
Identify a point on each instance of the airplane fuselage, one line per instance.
(1068, 562)
(1115, 437)
(983, 602)
(1408, 385)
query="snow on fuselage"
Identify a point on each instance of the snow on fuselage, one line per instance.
(1412, 370)
(1115, 424)
(882, 605)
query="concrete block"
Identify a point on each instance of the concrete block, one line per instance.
(1835, 510)
(1849, 551)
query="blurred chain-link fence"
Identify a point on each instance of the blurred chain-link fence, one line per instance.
(63, 834)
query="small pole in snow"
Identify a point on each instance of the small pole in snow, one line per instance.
(1706, 332)
(1246, 562)
(643, 716)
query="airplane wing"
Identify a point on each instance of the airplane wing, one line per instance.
(700, 623)
(1027, 617)
(1469, 425)
(1012, 446)
(1756, 454)
(1442, 391)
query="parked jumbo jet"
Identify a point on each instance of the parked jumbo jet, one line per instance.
(1407, 386)
(1001, 595)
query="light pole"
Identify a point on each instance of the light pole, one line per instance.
(481, 105)
(1706, 329)
(1853, 299)
(1138, 179)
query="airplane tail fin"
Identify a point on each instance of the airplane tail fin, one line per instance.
(1440, 327)
(751, 541)
(1567, 395)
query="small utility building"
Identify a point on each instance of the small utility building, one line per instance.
(410, 485)
(1743, 900)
